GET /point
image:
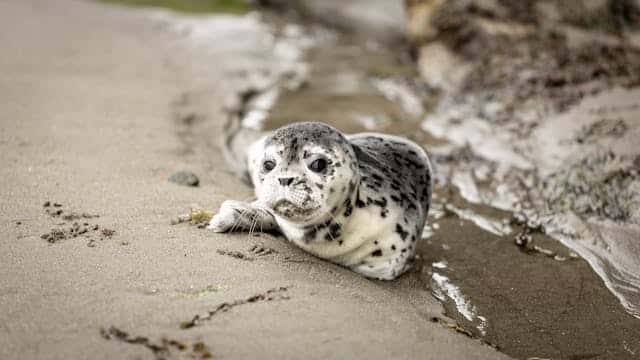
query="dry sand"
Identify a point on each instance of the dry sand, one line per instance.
(88, 120)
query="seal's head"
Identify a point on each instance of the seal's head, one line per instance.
(305, 172)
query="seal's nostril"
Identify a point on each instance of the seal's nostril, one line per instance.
(285, 181)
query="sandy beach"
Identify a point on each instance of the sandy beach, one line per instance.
(528, 111)
(98, 108)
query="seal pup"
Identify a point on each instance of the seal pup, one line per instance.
(356, 200)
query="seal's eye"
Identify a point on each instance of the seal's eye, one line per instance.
(268, 165)
(318, 165)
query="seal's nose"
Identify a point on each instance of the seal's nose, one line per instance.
(285, 181)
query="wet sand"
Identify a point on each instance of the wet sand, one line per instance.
(100, 105)
(538, 300)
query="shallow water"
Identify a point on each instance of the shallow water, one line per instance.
(531, 301)
(354, 89)
(574, 197)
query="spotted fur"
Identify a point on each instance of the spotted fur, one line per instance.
(364, 210)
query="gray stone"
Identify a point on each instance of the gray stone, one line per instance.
(186, 178)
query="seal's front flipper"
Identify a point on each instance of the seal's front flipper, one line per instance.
(241, 216)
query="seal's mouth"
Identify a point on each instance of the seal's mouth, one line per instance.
(290, 210)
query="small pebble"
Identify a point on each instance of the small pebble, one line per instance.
(185, 178)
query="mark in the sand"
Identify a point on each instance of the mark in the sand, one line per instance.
(257, 250)
(186, 116)
(55, 210)
(235, 254)
(269, 295)
(108, 232)
(75, 216)
(55, 235)
(162, 350)
(260, 250)
(76, 230)
(91, 232)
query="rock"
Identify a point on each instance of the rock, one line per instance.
(440, 67)
(186, 178)
(419, 16)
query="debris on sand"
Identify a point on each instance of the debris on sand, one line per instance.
(196, 216)
(164, 349)
(185, 178)
(235, 254)
(269, 295)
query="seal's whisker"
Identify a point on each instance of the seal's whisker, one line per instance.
(238, 220)
(250, 224)
(254, 222)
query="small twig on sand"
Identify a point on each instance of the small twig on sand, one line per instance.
(159, 351)
(165, 349)
(269, 295)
